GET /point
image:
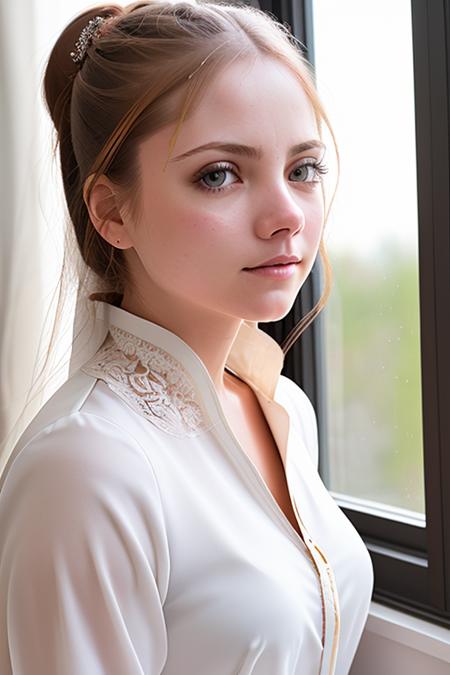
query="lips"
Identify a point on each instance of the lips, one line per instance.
(278, 260)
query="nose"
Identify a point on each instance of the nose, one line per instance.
(279, 209)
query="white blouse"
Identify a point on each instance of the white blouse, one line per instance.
(137, 537)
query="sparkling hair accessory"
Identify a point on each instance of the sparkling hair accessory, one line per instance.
(89, 32)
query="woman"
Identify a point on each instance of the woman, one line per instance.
(163, 512)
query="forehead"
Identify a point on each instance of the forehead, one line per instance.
(254, 100)
(252, 84)
(254, 93)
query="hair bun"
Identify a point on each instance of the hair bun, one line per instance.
(61, 68)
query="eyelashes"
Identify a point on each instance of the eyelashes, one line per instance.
(314, 167)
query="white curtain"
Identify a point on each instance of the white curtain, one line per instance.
(33, 210)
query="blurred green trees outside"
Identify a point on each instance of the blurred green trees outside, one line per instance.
(374, 378)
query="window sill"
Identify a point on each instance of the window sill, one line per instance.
(408, 630)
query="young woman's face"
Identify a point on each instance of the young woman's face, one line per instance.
(214, 212)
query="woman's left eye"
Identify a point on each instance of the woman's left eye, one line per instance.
(314, 168)
(213, 178)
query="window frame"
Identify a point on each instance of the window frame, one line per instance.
(411, 563)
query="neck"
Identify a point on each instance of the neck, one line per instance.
(208, 334)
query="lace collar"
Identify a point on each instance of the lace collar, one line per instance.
(158, 374)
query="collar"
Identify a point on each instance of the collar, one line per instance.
(255, 356)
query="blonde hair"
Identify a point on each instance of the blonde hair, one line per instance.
(147, 68)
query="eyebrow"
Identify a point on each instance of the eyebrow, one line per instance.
(247, 150)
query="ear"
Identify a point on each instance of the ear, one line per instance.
(104, 212)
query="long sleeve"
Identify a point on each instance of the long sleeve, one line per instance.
(84, 557)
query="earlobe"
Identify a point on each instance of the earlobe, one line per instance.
(103, 209)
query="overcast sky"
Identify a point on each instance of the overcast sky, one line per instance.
(364, 67)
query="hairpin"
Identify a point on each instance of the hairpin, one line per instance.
(86, 36)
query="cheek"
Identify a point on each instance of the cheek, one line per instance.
(186, 241)
(203, 232)
(314, 222)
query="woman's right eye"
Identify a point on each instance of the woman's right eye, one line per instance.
(212, 179)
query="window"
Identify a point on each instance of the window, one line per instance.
(372, 341)
(376, 361)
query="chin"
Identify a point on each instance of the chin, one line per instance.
(274, 311)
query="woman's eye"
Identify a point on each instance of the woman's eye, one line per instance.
(313, 169)
(214, 178)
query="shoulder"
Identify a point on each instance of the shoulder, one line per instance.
(78, 455)
(79, 415)
(302, 414)
(78, 467)
(78, 443)
(82, 526)
(83, 479)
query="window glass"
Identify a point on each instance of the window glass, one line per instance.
(364, 68)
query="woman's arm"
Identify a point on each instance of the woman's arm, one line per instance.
(84, 558)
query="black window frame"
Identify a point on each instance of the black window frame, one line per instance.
(411, 563)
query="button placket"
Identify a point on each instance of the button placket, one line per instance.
(328, 587)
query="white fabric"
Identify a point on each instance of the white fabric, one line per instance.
(137, 537)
